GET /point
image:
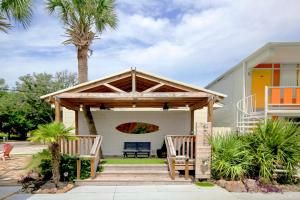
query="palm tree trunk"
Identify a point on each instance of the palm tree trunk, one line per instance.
(55, 162)
(82, 55)
(90, 120)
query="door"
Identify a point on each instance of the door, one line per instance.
(260, 79)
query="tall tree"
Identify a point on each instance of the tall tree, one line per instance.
(16, 10)
(80, 18)
(22, 110)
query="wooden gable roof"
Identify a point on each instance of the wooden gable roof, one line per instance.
(133, 87)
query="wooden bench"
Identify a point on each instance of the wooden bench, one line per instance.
(137, 149)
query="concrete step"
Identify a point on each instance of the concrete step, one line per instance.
(249, 122)
(131, 183)
(249, 127)
(257, 113)
(133, 174)
(134, 180)
(135, 167)
(253, 117)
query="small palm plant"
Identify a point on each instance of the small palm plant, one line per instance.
(51, 134)
(231, 159)
(275, 145)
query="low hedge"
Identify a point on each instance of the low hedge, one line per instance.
(67, 166)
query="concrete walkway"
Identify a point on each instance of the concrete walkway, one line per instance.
(25, 147)
(154, 192)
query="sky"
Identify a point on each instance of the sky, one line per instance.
(192, 41)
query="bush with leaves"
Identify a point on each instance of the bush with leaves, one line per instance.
(67, 164)
(275, 145)
(231, 158)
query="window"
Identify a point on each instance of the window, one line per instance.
(137, 128)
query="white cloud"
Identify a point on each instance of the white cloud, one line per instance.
(189, 40)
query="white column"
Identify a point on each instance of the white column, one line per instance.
(244, 83)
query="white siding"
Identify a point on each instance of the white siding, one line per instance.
(69, 118)
(169, 122)
(232, 86)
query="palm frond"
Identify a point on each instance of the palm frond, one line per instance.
(4, 26)
(17, 10)
(51, 133)
(81, 16)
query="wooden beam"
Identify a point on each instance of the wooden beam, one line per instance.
(155, 87)
(57, 111)
(167, 82)
(133, 78)
(134, 96)
(113, 87)
(199, 105)
(68, 105)
(98, 83)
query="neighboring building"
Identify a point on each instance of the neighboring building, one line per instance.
(263, 85)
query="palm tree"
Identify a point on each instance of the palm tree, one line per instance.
(80, 18)
(17, 10)
(51, 134)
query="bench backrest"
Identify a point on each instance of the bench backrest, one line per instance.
(137, 146)
(130, 146)
(144, 145)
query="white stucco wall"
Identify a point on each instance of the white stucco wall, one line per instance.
(232, 86)
(169, 122)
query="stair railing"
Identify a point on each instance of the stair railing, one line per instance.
(180, 150)
(245, 107)
(84, 147)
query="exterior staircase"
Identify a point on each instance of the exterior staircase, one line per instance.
(247, 115)
(135, 174)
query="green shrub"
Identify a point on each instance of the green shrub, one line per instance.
(12, 136)
(46, 168)
(67, 164)
(231, 158)
(275, 145)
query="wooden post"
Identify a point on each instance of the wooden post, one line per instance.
(133, 78)
(76, 122)
(78, 162)
(210, 110)
(186, 168)
(203, 151)
(57, 111)
(173, 168)
(192, 121)
(92, 167)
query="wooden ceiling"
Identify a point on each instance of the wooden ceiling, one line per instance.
(132, 89)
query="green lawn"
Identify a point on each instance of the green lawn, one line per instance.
(204, 184)
(133, 161)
